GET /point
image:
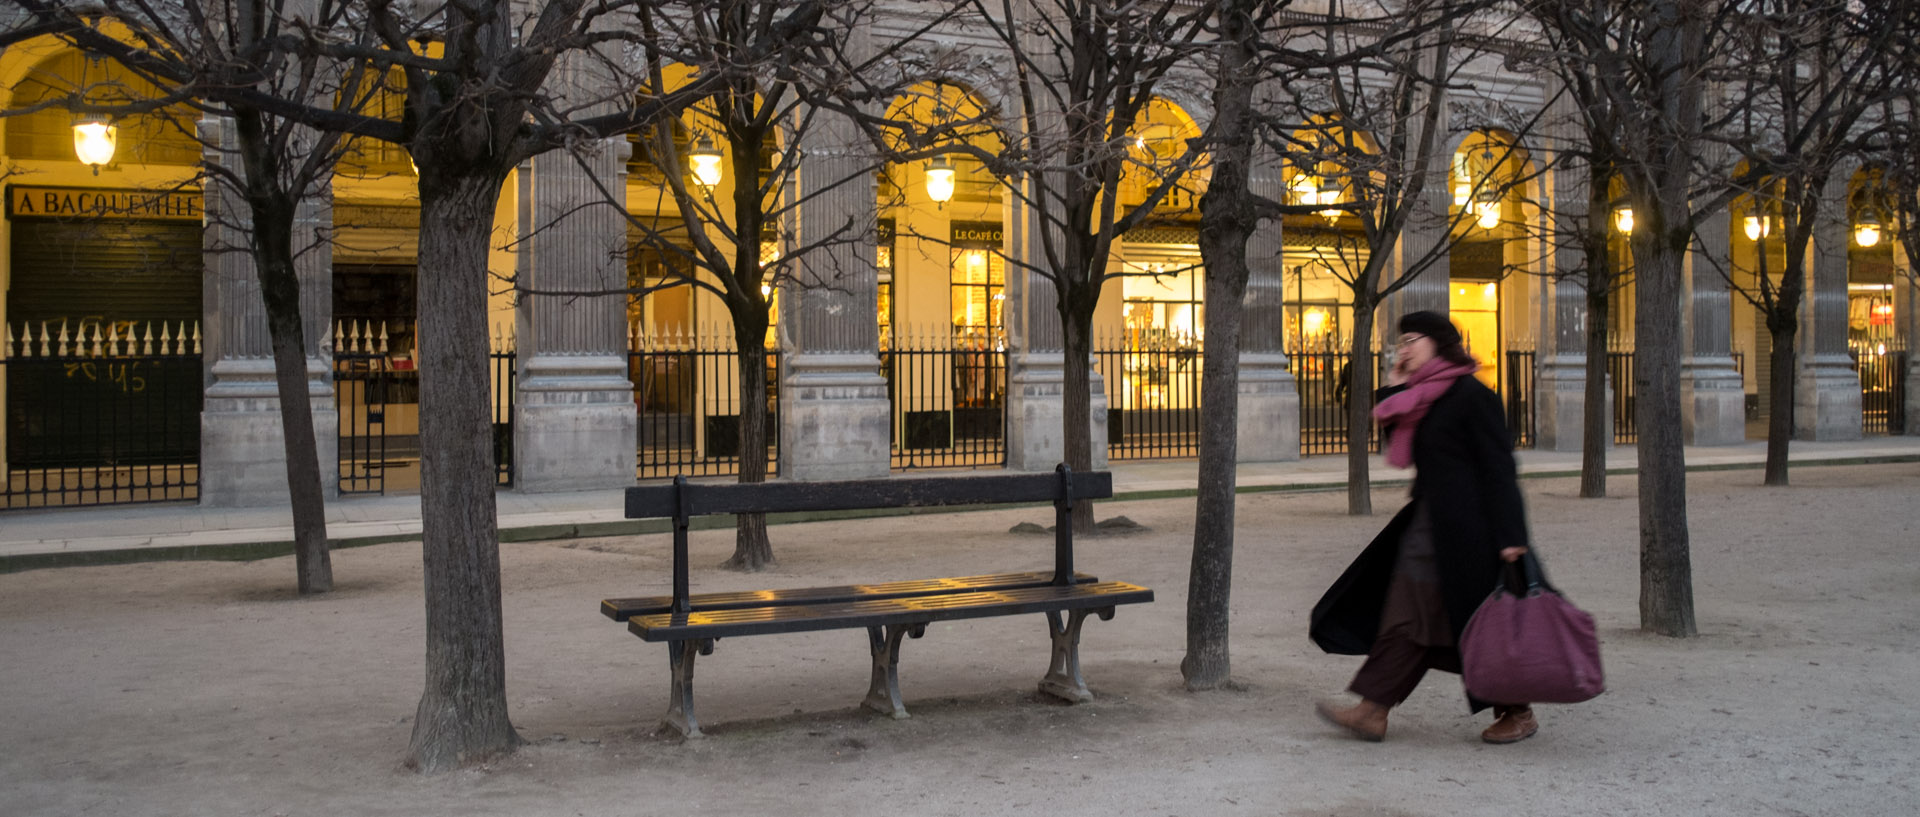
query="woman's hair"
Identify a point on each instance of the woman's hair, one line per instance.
(1447, 343)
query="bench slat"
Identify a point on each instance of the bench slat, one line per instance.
(659, 501)
(877, 612)
(625, 608)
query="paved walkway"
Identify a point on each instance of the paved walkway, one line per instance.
(141, 532)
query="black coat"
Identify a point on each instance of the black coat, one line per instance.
(1464, 473)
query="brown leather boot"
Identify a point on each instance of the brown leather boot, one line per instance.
(1514, 724)
(1366, 720)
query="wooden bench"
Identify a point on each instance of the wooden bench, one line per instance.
(891, 611)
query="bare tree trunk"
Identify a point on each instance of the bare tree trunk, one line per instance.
(1227, 218)
(1780, 395)
(1360, 410)
(1595, 432)
(752, 550)
(272, 251)
(1783, 323)
(280, 288)
(1666, 570)
(1076, 403)
(1676, 36)
(463, 713)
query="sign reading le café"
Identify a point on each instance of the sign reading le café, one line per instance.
(87, 202)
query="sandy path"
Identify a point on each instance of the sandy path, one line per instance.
(207, 688)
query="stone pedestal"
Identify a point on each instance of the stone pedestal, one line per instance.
(1713, 402)
(834, 418)
(573, 423)
(1036, 412)
(243, 449)
(1913, 388)
(1269, 419)
(1560, 413)
(1826, 399)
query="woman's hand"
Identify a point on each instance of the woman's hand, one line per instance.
(1512, 554)
(1397, 374)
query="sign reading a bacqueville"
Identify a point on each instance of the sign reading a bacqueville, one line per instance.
(83, 202)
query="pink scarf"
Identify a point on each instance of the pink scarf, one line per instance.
(1404, 410)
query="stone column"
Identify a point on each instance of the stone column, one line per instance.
(1425, 230)
(243, 460)
(1712, 397)
(574, 422)
(834, 409)
(1269, 410)
(1561, 331)
(1826, 397)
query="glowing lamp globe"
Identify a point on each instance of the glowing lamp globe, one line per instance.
(94, 140)
(940, 179)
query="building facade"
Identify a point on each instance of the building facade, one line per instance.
(136, 363)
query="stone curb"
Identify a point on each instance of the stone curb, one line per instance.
(253, 551)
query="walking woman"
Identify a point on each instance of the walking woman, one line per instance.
(1404, 602)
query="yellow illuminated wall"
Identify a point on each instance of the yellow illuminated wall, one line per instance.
(1475, 308)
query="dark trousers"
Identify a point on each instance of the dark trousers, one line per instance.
(1395, 666)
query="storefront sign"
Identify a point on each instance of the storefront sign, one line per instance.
(978, 234)
(85, 202)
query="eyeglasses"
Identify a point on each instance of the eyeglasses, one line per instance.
(1408, 340)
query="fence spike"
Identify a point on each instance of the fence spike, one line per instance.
(196, 337)
(383, 337)
(113, 340)
(6, 348)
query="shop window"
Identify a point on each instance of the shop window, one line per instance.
(1163, 301)
(978, 292)
(1319, 310)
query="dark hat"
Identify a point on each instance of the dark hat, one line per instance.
(1433, 325)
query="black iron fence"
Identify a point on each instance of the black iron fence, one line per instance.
(1883, 385)
(1153, 393)
(687, 390)
(376, 392)
(1324, 379)
(1517, 390)
(949, 400)
(102, 417)
(1620, 375)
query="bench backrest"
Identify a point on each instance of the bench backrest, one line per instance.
(682, 500)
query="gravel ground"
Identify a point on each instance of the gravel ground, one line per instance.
(210, 689)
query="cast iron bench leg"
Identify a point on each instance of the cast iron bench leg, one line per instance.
(1063, 675)
(883, 695)
(680, 656)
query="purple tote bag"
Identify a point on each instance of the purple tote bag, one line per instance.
(1531, 648)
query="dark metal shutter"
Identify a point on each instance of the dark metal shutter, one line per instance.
(92, 271)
